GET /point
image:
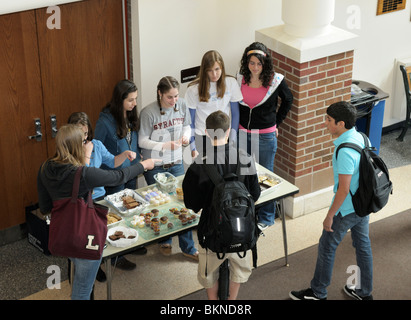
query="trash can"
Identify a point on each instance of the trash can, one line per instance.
(370, 103)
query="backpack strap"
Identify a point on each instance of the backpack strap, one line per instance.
(213, 173)
(354, 146)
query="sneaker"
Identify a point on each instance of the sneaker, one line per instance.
(350, 291)
(101, 276)
(124, 264)
(192, 256)
(165, 249)
(262, 226)
(306, 294)
(140, 251)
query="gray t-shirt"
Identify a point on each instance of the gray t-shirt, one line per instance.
(156, 129)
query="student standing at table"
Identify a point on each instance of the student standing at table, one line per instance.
(117, 128)
(212, 90)
(198, 191)
(164, 130)
(260, 115)
(55, 181)
(99, 156)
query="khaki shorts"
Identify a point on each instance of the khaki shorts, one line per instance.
(240, 268)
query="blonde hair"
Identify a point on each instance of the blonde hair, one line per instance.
(207, 63)
(69, 145)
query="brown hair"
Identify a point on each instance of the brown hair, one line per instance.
(81, 118)
(208, 61)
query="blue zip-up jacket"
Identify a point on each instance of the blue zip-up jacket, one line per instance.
(105, 131)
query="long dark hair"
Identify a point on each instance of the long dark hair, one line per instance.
(122, 89)
(261, 52)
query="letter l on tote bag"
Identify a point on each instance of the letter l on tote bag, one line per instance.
(77, 229)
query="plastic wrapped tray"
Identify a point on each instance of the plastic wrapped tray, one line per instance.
(268, 181)
(166, 182)
(116, 200)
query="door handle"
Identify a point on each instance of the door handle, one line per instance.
(37, 125)
(53, 121)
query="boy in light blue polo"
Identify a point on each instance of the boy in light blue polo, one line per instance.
(341, 217)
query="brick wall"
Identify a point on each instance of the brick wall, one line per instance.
(305, 147)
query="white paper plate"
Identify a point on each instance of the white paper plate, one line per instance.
(122, 242)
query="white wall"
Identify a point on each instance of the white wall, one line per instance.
(174, 34)
(171, 35)
(383, 39)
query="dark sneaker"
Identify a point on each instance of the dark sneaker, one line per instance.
(350, 291)
(124, 264)
(101, 276)
(306, 294)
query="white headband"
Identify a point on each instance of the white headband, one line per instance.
(256, 51)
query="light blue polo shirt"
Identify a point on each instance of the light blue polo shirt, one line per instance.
(348, 163)
(99, 156)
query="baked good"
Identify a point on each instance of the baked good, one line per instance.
(180, 194)
(117, 235)
(163, 220)
(176, 214)
(155, 212)
(112, 218)
(170, 225)
(129, 202)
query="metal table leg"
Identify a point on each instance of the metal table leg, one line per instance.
(282, 215)
(109, 277)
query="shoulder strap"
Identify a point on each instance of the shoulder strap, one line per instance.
(76, 184)
(213, 173)
(348, 145)
(353, 145)
(76, 187)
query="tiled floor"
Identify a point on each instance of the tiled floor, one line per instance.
(25, 273)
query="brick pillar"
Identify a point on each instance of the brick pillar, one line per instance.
(304, 154)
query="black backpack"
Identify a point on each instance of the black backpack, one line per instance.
(231, 224)
(374, 185)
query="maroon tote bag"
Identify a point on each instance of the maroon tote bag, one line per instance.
(77, 229)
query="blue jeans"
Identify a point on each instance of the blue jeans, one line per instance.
(185, 240)
(85, 272)
(328, 244)
(267, 148)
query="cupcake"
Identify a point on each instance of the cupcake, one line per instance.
(164, 220)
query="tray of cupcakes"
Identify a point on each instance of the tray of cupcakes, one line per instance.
(161, 221)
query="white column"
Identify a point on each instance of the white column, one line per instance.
(307, 18)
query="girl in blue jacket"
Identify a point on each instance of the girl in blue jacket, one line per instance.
(117, 128)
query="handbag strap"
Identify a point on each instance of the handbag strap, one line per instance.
(76, 187)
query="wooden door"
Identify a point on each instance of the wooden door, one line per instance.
(48, 72)
(21, 102)
(82, 61)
